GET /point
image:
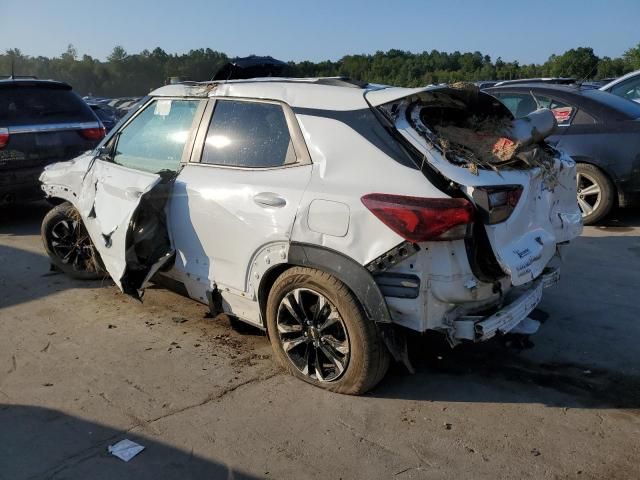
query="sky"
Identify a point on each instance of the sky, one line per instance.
(527, 31)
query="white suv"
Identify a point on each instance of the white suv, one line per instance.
(331, 214)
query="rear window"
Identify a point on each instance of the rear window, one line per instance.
(29, 105)
(626, 108)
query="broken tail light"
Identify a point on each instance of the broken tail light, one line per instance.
(419, 219)
(497, 203)
(4, 137)
(93, 133)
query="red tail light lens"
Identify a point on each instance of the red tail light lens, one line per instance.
(419, 219)
(4, 137)
(93, 133)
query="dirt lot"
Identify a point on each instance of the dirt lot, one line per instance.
(83, 366)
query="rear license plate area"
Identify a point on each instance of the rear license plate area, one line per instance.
(48, 140)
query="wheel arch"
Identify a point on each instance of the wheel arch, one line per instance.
(357, 278)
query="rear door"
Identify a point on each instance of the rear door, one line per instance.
(125, 190)
(238, 196)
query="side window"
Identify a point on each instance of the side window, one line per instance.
(629, 89)
(520, 104)
(562, 111)
(583, 118)
(248, 134)
(154, 140)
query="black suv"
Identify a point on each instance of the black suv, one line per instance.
(41, 122)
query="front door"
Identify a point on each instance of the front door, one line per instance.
(238, 197)
(127, 184)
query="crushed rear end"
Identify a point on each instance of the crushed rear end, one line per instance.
(524, 196)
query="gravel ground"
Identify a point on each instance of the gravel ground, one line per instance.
(83, 366)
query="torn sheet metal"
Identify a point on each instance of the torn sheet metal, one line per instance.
(474, 130)
(148, 244)
(472, 139)
(123, 211)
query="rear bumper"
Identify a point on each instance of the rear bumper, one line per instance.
(520, 304)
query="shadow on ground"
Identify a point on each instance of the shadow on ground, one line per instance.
(27, 276)
(621, 218)
(497, 372)
(73, 448)
(18, 220)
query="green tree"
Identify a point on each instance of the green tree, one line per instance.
(632, 57)
(578, 62)
(124, 74)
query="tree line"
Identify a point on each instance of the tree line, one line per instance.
(124, 74)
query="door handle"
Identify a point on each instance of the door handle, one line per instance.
(269, 199)
(133, 193)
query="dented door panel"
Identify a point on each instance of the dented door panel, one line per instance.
(108, 199)
(219, 223)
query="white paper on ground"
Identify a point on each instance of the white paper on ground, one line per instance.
(125, 449)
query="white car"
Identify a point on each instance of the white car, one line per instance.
(325, 212)
(627, 86)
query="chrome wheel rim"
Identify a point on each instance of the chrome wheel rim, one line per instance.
(589, 193)
(69, 241)
(313, 335)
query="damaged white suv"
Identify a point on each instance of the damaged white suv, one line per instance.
(331, 214)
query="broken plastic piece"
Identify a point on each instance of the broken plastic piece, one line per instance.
(528, 326)
(125, 449)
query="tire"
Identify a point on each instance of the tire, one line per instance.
(600, 197)
(62, 227)
(342, 349)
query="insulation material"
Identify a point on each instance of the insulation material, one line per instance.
(475, 130)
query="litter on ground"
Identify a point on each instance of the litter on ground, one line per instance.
(125, 449)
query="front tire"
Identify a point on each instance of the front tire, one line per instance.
(320, 334)
(68, 245)
(596, 193)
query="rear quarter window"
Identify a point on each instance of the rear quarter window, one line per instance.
(624, 109)
(29, 105)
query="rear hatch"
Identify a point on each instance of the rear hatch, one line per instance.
(43, 122)
(524, 190)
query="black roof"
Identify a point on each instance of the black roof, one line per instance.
(33, 82)
(602, 105)
(251, 67)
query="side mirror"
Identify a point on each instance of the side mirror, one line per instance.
(106, 151)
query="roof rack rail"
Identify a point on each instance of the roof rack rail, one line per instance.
(18, 77)
(341, 82)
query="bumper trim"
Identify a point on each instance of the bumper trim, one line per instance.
(550, 276)
(510, 316)
(478, 328)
